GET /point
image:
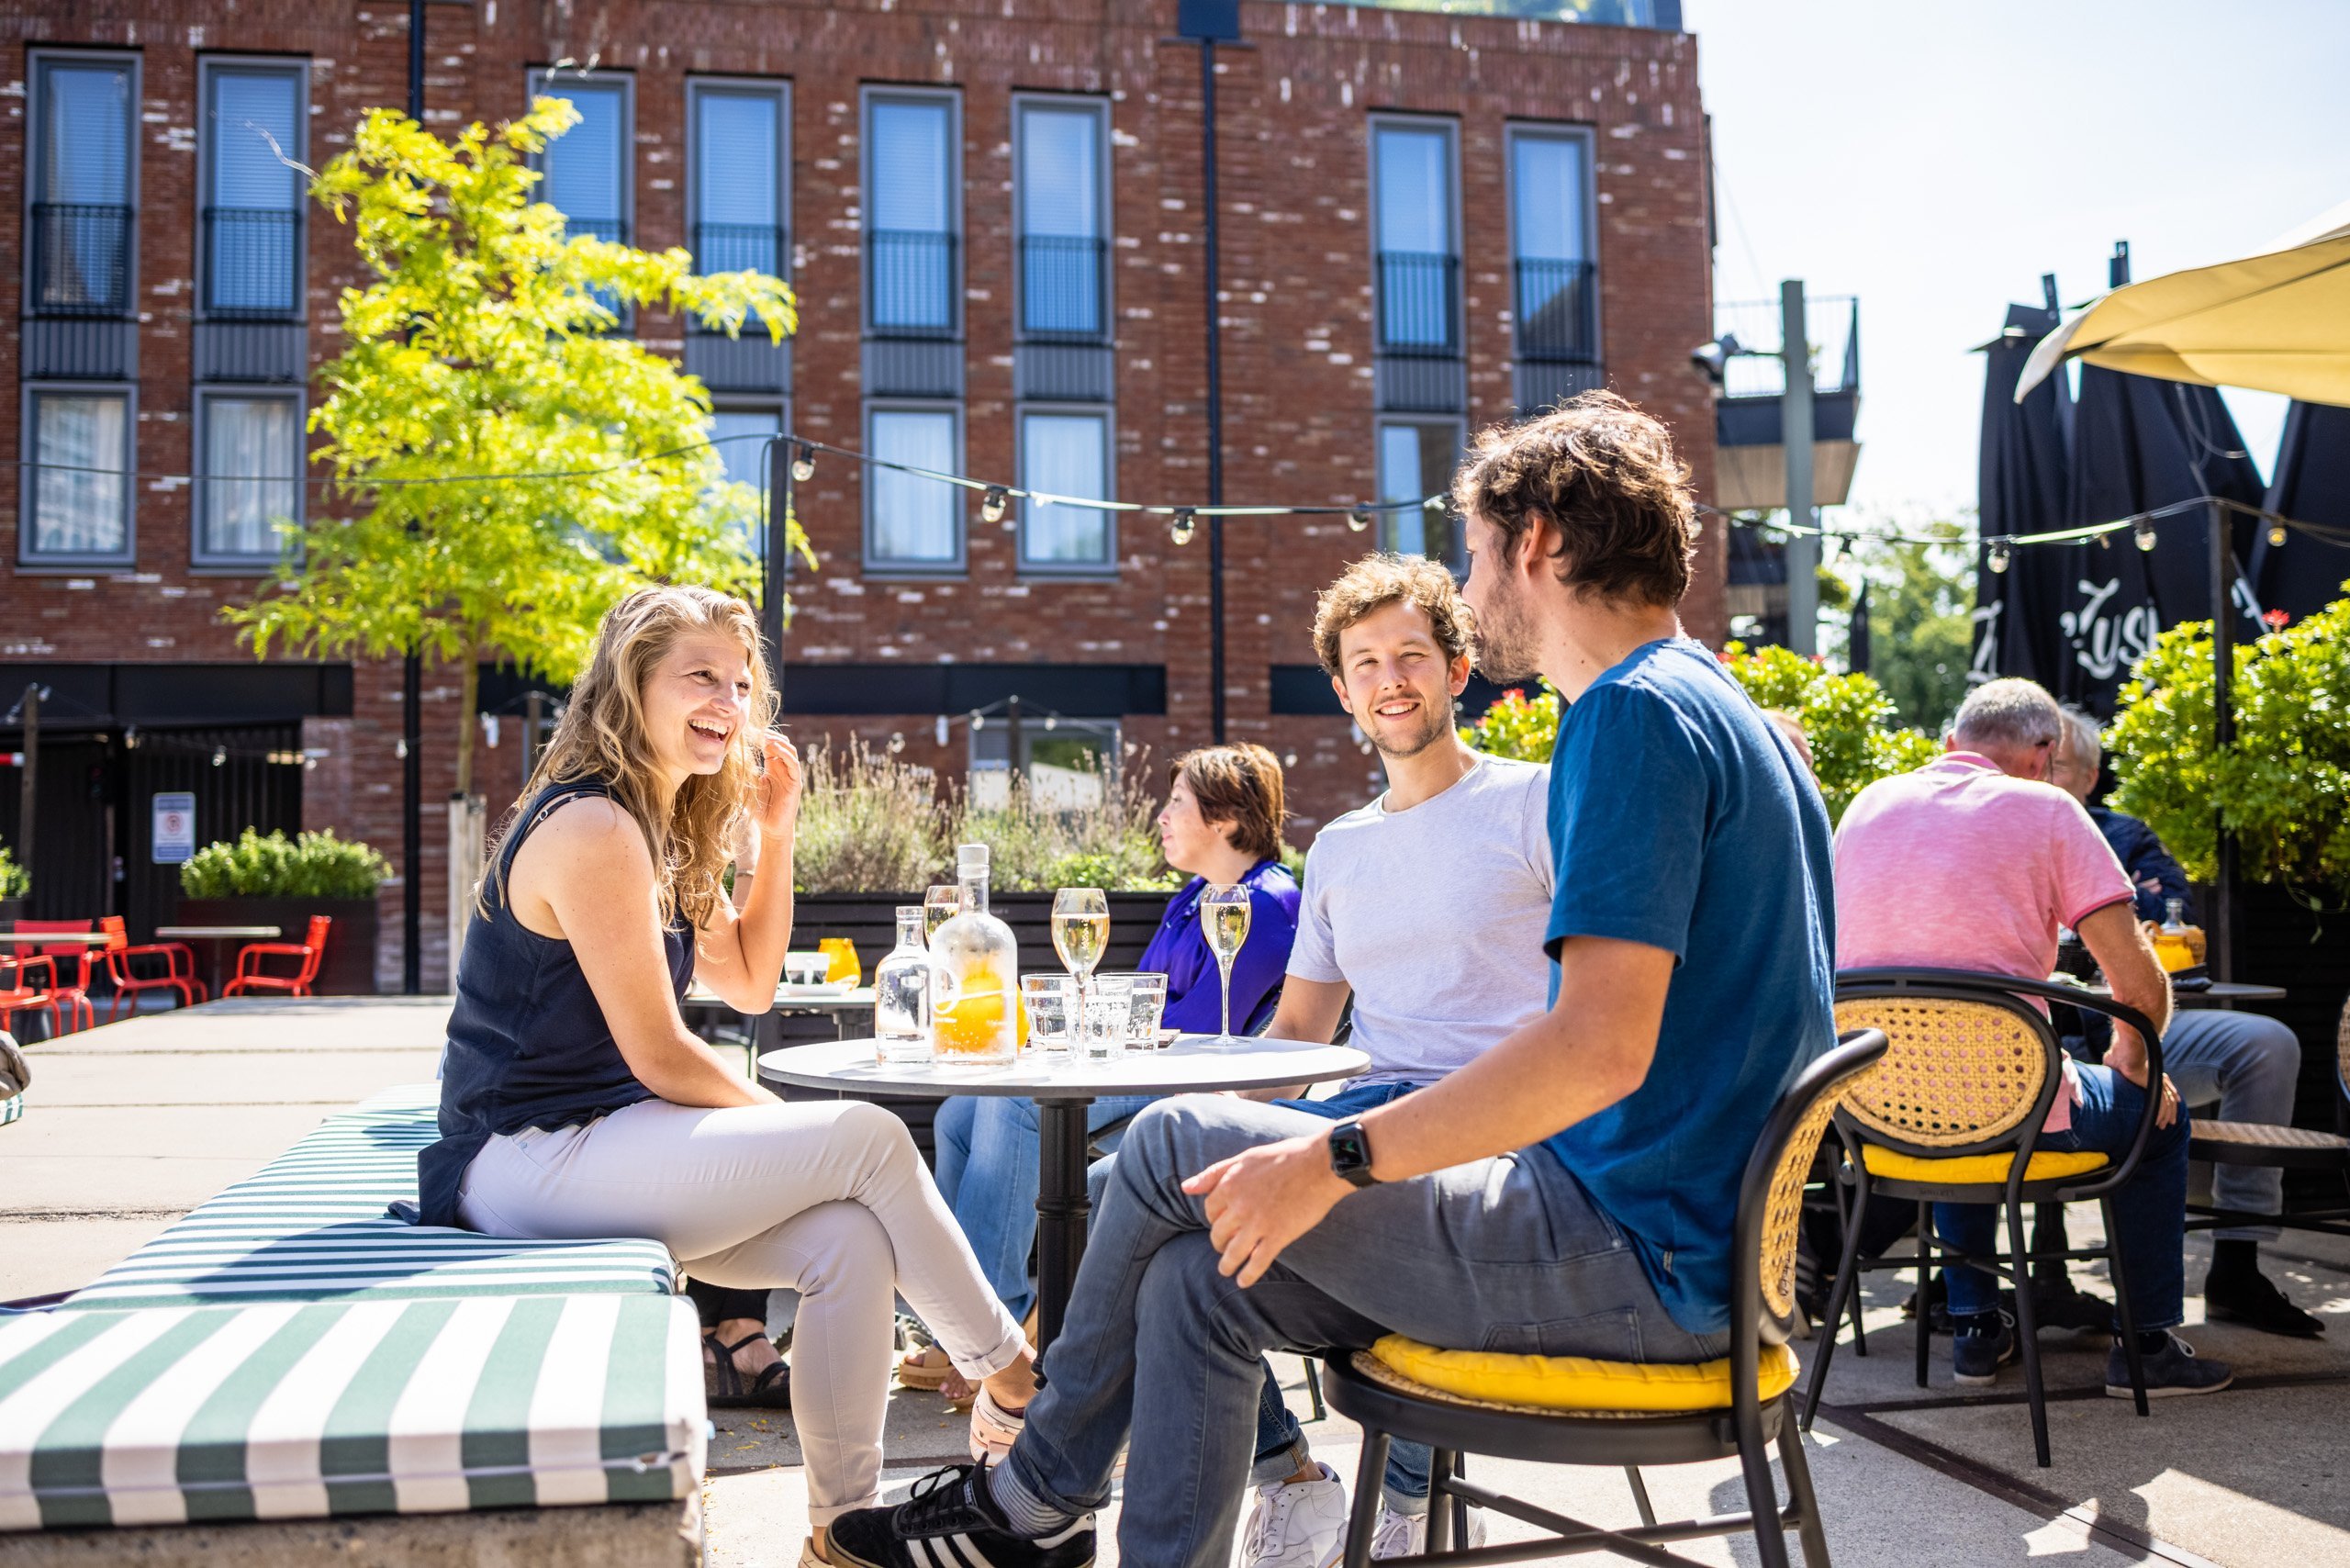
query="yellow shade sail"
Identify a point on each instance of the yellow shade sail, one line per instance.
(2275, 322)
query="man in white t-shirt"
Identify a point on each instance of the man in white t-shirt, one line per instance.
(1410, 904)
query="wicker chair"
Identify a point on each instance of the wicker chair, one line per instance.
(1954, 1116)
(2292, 1148)
(1729, 1407)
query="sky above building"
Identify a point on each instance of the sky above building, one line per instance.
(1936, 160)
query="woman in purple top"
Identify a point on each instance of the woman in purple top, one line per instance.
(1222, 823)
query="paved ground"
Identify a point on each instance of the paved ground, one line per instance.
(132, 1124)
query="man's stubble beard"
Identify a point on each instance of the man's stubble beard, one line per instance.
(1506, 652)
(1439, 724)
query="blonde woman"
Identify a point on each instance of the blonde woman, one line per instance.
(574, 1101)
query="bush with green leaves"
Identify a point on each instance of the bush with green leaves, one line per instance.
(271, 865)
(2283, 787)
(15, 882)
(1109, 841)
(1847, 719)
(867, 824)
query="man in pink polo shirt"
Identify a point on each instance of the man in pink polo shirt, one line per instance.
(1973, 863)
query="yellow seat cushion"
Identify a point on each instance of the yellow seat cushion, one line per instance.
(1968, 1169)
(1578, 1383)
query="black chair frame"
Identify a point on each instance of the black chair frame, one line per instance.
(2332, 1219)
(1746, 1428)
(2021, 1139)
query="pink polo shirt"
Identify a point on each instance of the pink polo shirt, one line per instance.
(1959, 866)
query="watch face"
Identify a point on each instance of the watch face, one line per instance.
(1349, 1150)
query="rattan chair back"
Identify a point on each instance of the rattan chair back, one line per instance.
(1770, 1208)
(1966, 1070)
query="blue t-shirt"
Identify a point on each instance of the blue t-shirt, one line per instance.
(1682, 819)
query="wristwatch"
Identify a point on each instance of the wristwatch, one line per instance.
(1350, 1155)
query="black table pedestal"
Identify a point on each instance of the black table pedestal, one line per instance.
(1061, 1209)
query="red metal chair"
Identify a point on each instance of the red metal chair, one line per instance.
(179, 958)
(310, 950)
(19, 993)
(74, 999)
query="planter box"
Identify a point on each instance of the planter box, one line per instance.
(349, 966)
(13, 911)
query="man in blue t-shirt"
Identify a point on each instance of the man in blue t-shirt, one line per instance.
(1571, 1192)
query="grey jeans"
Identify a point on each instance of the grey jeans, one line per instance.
(2246, 1065)
(1504, 1254)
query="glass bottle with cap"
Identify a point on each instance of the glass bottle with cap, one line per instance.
(901, 993)
(974, 975)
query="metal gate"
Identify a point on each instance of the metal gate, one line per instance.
(241, 776)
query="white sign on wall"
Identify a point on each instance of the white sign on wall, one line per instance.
(174, 835)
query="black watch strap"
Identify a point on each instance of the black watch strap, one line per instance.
(1350, 1154)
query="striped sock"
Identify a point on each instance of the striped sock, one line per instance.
(1027, 1514)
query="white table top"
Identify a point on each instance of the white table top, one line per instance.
(796, 998)
(222, 933)
(1191, 1065)
(60, 938)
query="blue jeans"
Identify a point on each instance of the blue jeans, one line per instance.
(1160, 1348)
(987, 1172)
(2246, 1065)
(2149, 1212)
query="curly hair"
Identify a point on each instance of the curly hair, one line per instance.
(1375, 582)
(601, 735)
(1241, 784)
(1605, 475)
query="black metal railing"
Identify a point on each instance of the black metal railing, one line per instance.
(1063, 289)
(81, 259)
(1558, 312)
(1419, 296)
(741, 247)
(910, 283)
(251, 263)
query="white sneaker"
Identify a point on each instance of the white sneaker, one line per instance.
(1407, 1535)
(1297, 1524)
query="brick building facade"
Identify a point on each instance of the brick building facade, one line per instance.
(1019, 287)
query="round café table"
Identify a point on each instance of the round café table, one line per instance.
(216, 938)
(2219, 993)
(1063, 1086)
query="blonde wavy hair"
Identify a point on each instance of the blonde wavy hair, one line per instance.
(602, 736)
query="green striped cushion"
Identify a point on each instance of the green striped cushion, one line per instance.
(310, 1226)
(11, 1109)
(291, 1410)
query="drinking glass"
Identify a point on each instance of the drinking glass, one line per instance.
(1081, 930)
(1149, 1005)
(1105, 1014)
(1046, 997)
(1224, 914)
(806, 969)
(938, 907)
(840, 960)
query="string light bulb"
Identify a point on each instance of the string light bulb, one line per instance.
(2276, 536)
(1184, 526)
(1999, 556)
(220, 757)
(1359, 519)
(804, 464)
(2145, 531)
(993, 504)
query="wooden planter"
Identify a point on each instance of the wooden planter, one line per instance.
(349, 966)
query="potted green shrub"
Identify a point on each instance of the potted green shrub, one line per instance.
(2283, 789)
(269, 880)
(16, 889)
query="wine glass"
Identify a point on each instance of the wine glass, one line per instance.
(939, 906)
(1080, 931)
(1224, 912)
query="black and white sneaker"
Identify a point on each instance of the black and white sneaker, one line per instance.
(950, 1521)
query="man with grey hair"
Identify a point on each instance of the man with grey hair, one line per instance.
(1971, 863)
(2244, 1064)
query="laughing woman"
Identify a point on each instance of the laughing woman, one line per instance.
(574, 1103)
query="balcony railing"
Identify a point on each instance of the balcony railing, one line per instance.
(1558, 312)
(740, 247)
(1419, 304)
(910, 283)
(1062, 289)
(81, 259)
(612, 229)
(251, 271)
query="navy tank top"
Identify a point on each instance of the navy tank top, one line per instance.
(528, 1045)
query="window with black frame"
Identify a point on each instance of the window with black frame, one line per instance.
(1418, 255)
(253, 189)
(1555, 284)
(911, 215)
(1062, 192)
(82, 206)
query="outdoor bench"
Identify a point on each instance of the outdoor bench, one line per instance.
(288, 1372)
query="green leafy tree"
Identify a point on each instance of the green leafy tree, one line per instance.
(484, 344)
(2283, 787)
(1922, 629)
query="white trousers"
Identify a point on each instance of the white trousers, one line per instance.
(827, 1197)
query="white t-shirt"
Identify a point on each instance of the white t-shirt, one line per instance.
(1435, 917)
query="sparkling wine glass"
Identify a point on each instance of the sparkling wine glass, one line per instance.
(1080, 931)
(1224, 912)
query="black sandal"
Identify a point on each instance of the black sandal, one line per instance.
(729, 1389)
